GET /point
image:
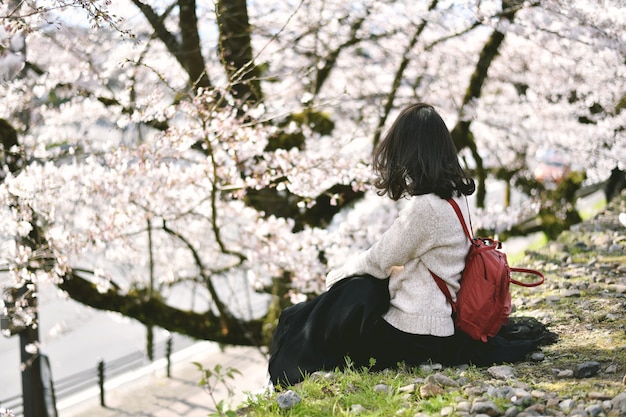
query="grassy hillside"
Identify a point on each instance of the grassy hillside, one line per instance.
(583, 373)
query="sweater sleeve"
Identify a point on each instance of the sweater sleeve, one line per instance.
(410, 236)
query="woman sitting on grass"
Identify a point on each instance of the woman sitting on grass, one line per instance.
(384, 304)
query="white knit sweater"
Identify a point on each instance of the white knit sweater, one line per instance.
(426, 235)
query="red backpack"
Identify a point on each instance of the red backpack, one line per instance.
(483, 303)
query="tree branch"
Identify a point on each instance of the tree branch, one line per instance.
(154, 312)
(331, 58)
(225, 313)
(399, 76)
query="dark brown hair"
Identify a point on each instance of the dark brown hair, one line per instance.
(417, 156)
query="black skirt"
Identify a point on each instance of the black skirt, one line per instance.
(319, 334)
(346, 322)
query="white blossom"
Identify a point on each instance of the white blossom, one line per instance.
(98, 177)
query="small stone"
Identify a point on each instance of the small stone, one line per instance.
(492, 391)
(444, 380)
(611, 369)
(463, 381)
(593, 395)
(381, 388)
(537, 357)
(356, 409)
(474, 391)
(553, 402)
(567, 405)
(446, 411)
(594, 410)
(407, 388)
(486, 407)
(504, 392)
(503, 372)
(570, 293)
(511, 412)
(521, 385)
(464, 406)
(587, 369)
(537, 394)
(553, 299)
(536, 409)
(287, 399)
(320, 375)
(577, 412)
(429, 390)
(521, 397)
(619, 403)
(566, 373)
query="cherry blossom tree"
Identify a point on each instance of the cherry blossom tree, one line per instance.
(222, 149)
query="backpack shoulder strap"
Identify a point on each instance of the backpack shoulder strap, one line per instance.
(459, 214)
(438, 280)
(444, 289)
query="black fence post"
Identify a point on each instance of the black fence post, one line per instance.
(168, 354)
(101, 381)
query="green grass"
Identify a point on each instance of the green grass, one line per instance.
(592, 210)
(336, 393)
(517, 257)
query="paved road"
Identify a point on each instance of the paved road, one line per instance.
(149, 393)
(75, 337)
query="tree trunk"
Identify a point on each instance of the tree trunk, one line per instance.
(191, 50)
(235, 48)
(461, 133)
(187, 52)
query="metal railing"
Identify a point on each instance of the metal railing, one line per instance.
(97, 376)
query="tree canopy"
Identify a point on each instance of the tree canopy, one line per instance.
(223, 149)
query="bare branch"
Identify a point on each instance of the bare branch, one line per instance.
(400, 75)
